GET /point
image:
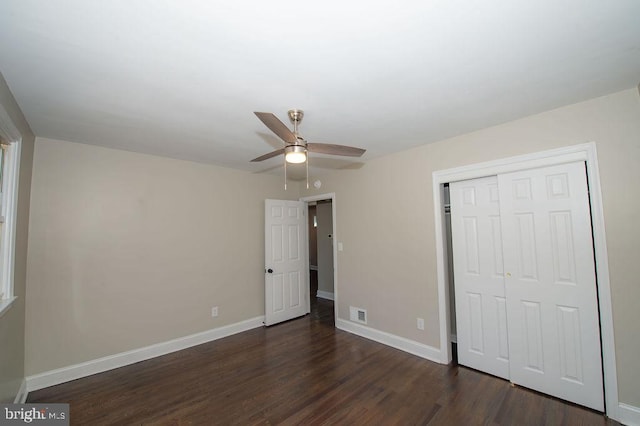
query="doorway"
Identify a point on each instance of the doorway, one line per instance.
(323, 224)
(322, 256)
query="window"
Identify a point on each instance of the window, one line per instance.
(9, 164)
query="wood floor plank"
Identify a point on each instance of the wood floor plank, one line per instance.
(304, 372)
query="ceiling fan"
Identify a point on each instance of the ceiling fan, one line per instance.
(296, 148)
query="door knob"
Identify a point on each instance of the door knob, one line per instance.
(270, 271)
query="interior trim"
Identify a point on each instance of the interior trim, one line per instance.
(22, 395)
(404, 344)
(628, 414)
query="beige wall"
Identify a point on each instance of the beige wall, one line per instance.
(127, 250)
(12, 322)
(392, 272)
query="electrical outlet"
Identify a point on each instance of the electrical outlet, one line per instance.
(420, 324)
(214, 311)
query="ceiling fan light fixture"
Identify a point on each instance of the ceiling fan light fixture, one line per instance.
(295, 154)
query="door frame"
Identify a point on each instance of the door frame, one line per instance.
(329, 196)
(583, 152)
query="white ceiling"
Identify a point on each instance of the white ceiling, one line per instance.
(182, 78)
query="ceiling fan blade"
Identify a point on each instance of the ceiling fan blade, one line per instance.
(269, 155)
(327, 148)
(277, 127)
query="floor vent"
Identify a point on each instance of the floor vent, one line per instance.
(358, 314)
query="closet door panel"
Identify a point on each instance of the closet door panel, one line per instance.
(478, 273)
(550, 287)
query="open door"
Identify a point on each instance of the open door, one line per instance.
(285, 261)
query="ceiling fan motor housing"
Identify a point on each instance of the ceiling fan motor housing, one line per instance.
(295, 115)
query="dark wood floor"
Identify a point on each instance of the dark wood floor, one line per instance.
(304, 372)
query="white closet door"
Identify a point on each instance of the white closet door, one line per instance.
(481, 323)
(552, 314)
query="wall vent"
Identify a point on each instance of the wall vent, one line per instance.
(358, 315)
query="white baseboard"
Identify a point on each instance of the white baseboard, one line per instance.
(628, 415)
(410, 346)
(324, 295)
(21, 397)
(72, 372)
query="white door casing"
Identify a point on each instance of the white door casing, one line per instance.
(550, 286)
(286, 285)
(479, 276)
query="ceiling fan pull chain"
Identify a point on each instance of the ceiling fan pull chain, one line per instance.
(307, 170)
(285, 173)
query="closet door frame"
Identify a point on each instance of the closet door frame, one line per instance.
(583, 152)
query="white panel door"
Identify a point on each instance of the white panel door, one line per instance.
(550, 287)
(285, 261)
(481, 322)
